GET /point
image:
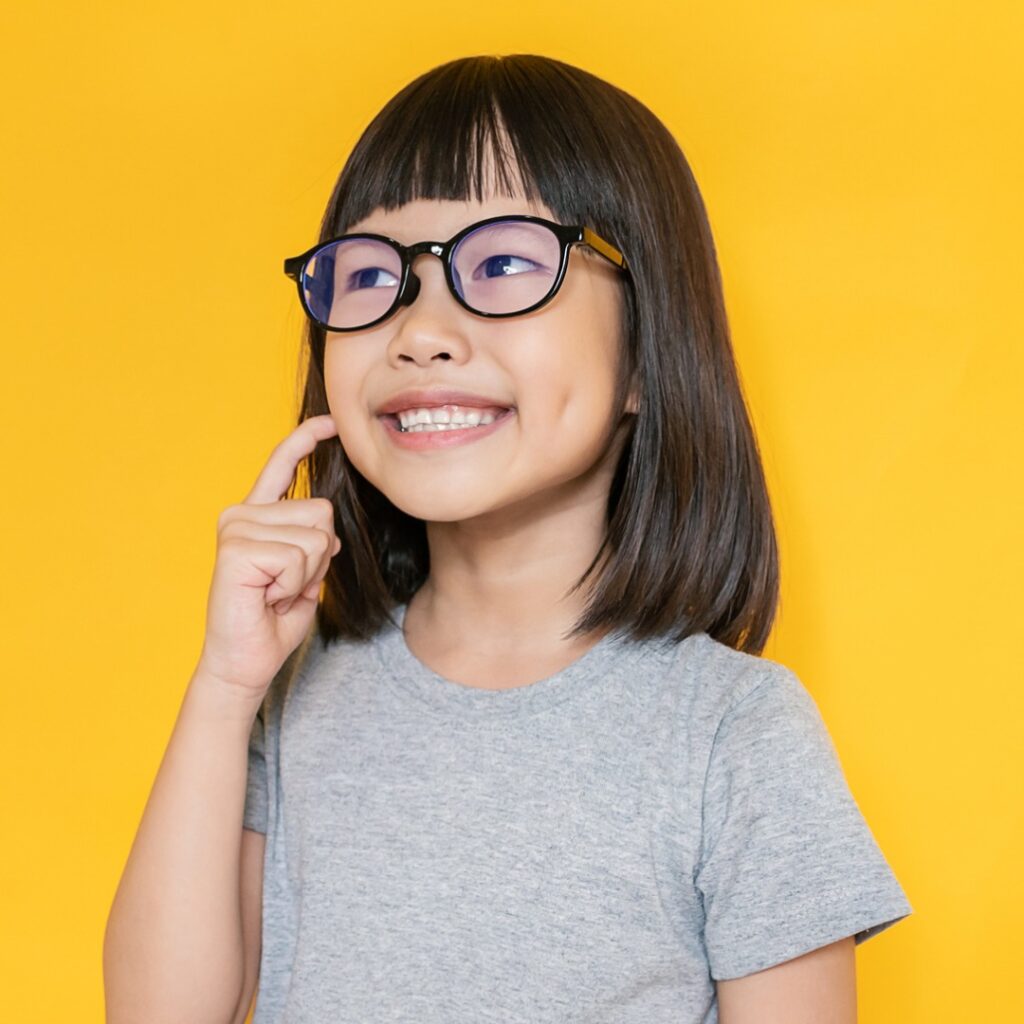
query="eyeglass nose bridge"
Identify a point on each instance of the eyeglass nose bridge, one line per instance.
(437, 248)
(412, 281)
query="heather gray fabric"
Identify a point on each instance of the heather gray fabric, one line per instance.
(594, 847)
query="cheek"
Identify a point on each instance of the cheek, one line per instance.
(342, 381)
(348, 363)
(572, 370)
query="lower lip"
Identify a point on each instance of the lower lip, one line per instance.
(428, 440)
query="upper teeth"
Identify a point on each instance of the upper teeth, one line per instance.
(444, 414)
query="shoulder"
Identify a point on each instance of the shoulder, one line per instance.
(716, 682)
(757, 724)
(722, 708)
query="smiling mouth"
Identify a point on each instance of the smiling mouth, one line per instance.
(485, 417)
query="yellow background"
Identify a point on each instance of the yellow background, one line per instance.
(861, 163)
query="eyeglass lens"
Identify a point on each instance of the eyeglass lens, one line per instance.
(503, 267)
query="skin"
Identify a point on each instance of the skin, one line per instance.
(513, 519)
(819, 987)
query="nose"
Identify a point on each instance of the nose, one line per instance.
(431, 327)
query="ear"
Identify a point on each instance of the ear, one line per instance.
(633, 401)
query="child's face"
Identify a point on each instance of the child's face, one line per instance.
(555, 367)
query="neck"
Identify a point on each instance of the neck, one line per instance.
(507, 594)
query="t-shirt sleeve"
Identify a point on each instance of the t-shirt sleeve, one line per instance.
(787, 862)
(256, 799)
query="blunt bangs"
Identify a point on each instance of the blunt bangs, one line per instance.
(443, 135)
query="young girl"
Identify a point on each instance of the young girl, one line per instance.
(519, 759)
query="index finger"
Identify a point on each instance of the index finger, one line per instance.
(274, 480)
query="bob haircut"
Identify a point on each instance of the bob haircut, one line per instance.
(690, 542)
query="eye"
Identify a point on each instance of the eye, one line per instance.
(366, 278)
(496, 266)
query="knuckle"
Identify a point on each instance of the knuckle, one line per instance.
(229, 543)
(225, 517)
(230, 528)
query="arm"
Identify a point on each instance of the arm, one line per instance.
(173, 947)
(819, 987)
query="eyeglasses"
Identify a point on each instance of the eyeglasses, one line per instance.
(498, 267)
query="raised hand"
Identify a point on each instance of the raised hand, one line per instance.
(272, 555)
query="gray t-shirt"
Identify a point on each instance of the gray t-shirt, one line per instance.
(597, 846)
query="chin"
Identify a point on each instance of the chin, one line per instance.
(440, 510)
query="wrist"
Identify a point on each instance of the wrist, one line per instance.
(222, 699)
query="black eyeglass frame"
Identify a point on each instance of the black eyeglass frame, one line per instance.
(409, 286)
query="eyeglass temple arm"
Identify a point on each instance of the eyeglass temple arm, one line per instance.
(606, 249)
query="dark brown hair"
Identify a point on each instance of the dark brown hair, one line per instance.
(690, 541)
